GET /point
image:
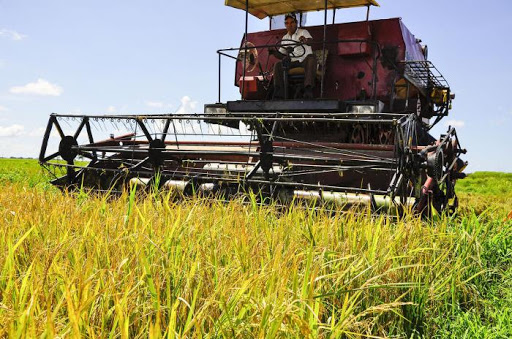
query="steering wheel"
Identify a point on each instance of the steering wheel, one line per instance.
(290, 48)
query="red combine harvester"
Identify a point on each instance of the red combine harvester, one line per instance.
(360, 137)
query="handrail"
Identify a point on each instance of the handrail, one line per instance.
(222, 52)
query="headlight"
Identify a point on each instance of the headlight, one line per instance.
(366, 107)
(363, 109)
(219, 116)
(215, 109)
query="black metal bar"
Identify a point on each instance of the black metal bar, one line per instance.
(393, 92)
(70, 173)
(313, 168)
(144, 129)
(336, 157)
(80, 127)
(286, 67)
(222, 162)
(166, 129)
(50, 157)
(139, 164)
(293, 119)
(374, 75)
(323, 51)
(144, 151)
(407, 94)
(346, 158)
(59, 129)
(46, 137)
(89, 130)
(284, 119)
(301, 154)
(253, 171)
(175, 134)
(89, 134)
(326, 170)
(332, 120)
(245, 47)
(334, 160)
(227, 55)
(238, 115)
(220, 73)
(231, 49)
(341, 155)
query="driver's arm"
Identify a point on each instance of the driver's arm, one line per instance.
(282, 51)
(278, 53)
(306, 38)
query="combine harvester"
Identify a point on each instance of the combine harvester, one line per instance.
(362, 139)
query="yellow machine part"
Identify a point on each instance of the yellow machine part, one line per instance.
(439, 96)
(265, 8)
(401, 90)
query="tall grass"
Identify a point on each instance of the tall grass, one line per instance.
(486, 191)
(26, 171)
(148, 266)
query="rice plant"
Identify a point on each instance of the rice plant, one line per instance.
(149, 266)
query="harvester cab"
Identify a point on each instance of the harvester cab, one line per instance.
(354, 129)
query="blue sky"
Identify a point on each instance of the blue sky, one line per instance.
(99, 57)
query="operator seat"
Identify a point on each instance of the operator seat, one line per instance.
(296, 75)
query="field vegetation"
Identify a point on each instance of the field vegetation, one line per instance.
(80, 265)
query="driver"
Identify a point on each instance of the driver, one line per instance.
(300, 56)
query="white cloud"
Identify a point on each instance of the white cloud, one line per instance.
(455, 123)
(11, 131)
(155, 104)
(13, 35)
(187, 106)
(40, 87)
(3, 108)
(111, 109)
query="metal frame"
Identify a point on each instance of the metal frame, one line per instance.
(150, 154)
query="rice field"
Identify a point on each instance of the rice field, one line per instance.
(80, 265)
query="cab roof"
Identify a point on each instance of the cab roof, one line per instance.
(265, 8)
